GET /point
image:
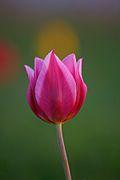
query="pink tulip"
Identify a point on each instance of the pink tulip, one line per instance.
(56, 93)
(56, 89)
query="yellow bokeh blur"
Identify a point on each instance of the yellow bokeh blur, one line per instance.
(57, 35)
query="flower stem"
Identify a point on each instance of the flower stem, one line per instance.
(63, 152)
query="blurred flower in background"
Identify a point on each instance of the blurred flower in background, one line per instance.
(9, 60)
(58, 35)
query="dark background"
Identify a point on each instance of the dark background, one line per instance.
(28, 146)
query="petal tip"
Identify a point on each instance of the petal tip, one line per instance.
(37, 58)
(52, 52)
(26, 68)
(29, 71)
(80, 59)
(73, 54)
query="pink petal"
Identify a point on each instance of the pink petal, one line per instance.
(37, 66)
(33, 105)
(81, 96)
(31, 101)
(83, 85)
(29, 72)
(70, 62)
(55, 89)
(81, 89)
(80, 62)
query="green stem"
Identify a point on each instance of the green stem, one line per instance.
(63, 152)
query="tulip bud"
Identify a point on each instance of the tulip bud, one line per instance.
(56, 90)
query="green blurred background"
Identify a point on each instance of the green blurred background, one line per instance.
(28, 146)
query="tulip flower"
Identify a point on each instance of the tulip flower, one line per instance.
(56, 93)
